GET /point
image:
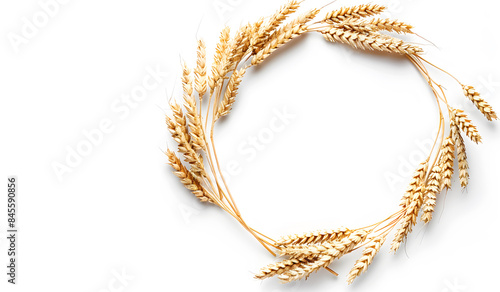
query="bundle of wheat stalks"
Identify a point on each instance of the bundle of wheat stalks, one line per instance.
(192, 128)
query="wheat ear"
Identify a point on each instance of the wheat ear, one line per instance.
(283, 35)
(463, 166)
(195, 125)
(299, 250)
(446, 162)
(416, 181)
(373, 41)
(230, 94)
(359, 11)
(409, 218)
(324, 259)
(479, 102)
(316, 237)
(366, 259)
(465, 125)
(431, 190)
(187, 179)
(240, 45)
(220, 61)
(283, 266)
(355, 25)
(273, 22)
(391, 25)
(180, 134)
(200, 72)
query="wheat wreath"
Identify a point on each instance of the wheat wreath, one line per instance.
(192, 126)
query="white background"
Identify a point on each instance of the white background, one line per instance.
(358, 119)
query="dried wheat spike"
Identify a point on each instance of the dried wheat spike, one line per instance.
(230, 94)
(181, 137)
(409, 218)
(284, 35)
(479, 102)
(366, 259)
(336, 250)
(283, 266)
(195, 125)
(251, 32)
(431, 190)
(300, 250)
(391, 25)
(273, 22)
(180, 134)
(316, 237)
(240, 45)
(187, 179)
(255, 27)
(178, 118)
(177, 130)
(359, 11)
(220, 63)
(463, 166)
(303, 270)
(466, 125)
(373, 41)
(446, 162)
(355, 25)
(187, 82)
(416, 181)
(200, 72)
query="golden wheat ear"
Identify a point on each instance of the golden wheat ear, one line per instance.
(359, 11)
(479, 102)
(200, 72)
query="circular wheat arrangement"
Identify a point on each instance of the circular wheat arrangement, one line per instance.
(192, 125)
